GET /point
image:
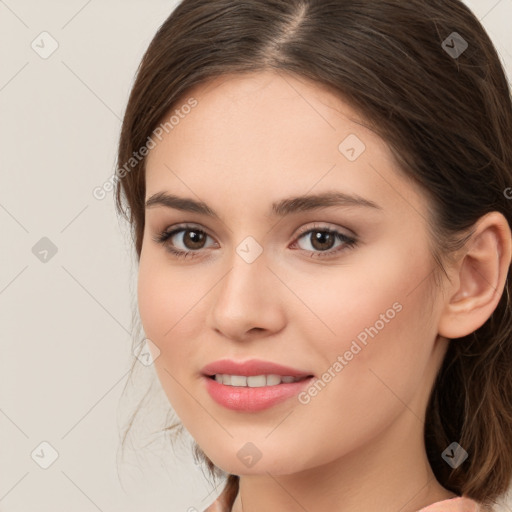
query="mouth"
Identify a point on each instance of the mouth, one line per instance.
(252, 385)
(255, 381)
(251, 368)
(251, 394)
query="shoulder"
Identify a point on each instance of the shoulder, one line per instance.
(459, 504)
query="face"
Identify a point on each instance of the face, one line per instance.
(340, 291)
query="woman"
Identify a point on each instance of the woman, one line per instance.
(319, 192)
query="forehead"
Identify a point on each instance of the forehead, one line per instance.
(256, 109)
(267, 135)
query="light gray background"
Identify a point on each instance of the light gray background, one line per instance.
(65, 347)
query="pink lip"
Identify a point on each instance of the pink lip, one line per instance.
(247, 399)
(251, 367)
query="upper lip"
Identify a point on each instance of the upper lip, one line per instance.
(250, 368)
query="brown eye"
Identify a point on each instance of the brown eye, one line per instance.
(183, 241)
(193, 238)
(322, 240)
(191, 241)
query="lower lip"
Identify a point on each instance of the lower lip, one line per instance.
(246, 399)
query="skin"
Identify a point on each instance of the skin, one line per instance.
(357, 445)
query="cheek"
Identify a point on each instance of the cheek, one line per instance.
(163, 293)
(375, 317)
(375, 362)
(169, 306)
(384, 346)
(155, 305)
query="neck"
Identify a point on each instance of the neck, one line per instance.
(387, 474)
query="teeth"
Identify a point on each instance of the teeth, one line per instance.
(254, 381)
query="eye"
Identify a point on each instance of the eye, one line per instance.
(193, 238)
(322, 239)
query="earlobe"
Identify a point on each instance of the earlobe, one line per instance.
(481, 277)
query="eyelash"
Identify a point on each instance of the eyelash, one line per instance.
(349, 242)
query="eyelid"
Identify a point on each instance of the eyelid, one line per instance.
(319, 226)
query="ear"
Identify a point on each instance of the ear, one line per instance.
(479, 277)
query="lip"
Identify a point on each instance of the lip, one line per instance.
(247, 399)
(251, 367)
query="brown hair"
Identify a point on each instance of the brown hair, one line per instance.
(446, 117)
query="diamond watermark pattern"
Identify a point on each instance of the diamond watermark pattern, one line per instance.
(249, 249)
(455, 45)
(146, 352)
(44, 250)
(352, 147)
(44, 45)
(455, 455)
(44, 455)
(249, 454)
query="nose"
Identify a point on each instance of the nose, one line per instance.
(248, 300)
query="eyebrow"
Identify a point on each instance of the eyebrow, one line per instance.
(288, 206)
